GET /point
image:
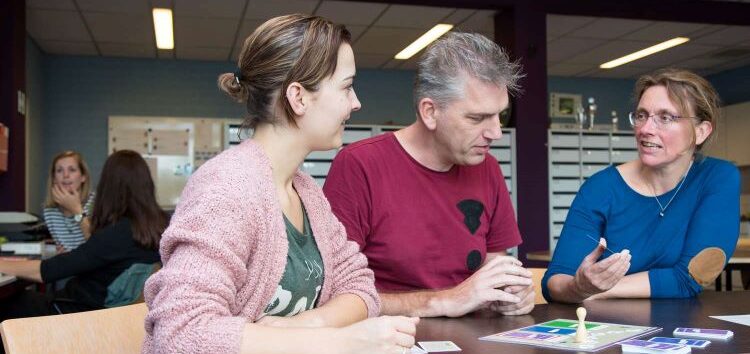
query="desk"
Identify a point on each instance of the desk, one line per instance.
(668, 314)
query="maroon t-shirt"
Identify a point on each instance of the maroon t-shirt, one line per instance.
(420, 229)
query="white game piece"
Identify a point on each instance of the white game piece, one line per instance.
(582, 335)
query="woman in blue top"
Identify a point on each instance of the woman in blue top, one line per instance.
(666, 218)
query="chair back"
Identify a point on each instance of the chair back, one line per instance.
(115, 330)
(536, 277)
(127, 288)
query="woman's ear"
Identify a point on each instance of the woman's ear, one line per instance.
(295, 96)
(702, 132)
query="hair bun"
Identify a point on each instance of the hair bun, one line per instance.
(232, 87)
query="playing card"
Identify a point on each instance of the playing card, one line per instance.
(703, 333)
(439, 346)
(695, 343)
(417, 350)
(642, 346)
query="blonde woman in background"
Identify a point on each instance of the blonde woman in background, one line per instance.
(68, 204)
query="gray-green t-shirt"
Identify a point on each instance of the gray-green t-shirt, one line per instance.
(300, 285)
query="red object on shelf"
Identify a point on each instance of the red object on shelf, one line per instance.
(3, 148)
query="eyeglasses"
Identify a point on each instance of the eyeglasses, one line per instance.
(661, 120)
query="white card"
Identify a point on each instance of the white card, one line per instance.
(439, 346)
(417, 350)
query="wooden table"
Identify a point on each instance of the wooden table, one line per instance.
(665, 313)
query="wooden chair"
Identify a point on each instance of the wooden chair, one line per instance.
(536, 277)
(114, 330)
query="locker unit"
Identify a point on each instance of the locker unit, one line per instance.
(573, 157)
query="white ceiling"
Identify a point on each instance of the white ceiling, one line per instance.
(215, 30)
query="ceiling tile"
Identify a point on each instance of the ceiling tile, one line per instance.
(264, 9)
(246, 29)
(609, 28)
(165, 54)
(620, 72)
(422, 17)
(480, 21)
(167, 4)
(202, 8)
(350, 13)
(410, 64)
(662, 31)
(459, 15)
(202, 53)
(567, 69)
(673, 56)
(700, 63)
(356, 31)
(558, 25)
(727, 36)
(370, 61)
(387, 41)
(127, 50)
(608, 51)
(140, 7)
(120, 28)
(204, 32)
(706, 30)
(50, 4)
(56, 25)
(566, 47)
(235, 56)
(67, 48)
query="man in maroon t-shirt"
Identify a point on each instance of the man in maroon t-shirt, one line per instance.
(427, 204)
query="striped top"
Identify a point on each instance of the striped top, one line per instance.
(64, 229)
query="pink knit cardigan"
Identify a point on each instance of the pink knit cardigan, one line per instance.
(225, 250)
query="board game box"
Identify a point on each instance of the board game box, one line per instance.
(560, 334)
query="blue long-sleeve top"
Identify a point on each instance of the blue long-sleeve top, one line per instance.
(704, 213)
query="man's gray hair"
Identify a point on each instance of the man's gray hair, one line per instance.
(447, 62)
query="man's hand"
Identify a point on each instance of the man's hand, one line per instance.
(486, 286)
(527, 294)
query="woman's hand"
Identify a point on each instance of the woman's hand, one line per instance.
(69, 201)
(380, 335)
(594, 277)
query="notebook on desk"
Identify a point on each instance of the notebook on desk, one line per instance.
(6, 279)
(22, 232)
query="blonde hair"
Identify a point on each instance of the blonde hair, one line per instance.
(285, 49)
(85, 187)
(689, 91)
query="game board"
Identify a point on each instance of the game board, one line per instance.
(560, 334)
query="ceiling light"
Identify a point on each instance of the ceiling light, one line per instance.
(645, 52)
(423, 41)
(163, 28)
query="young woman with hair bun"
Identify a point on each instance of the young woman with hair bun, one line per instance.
(254, 261)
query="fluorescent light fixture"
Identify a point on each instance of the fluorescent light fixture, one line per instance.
(645, 52)
(163, 28)
(423, 41)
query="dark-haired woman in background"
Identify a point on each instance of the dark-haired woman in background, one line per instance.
(126, 227)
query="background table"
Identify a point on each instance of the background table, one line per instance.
(666, 313)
